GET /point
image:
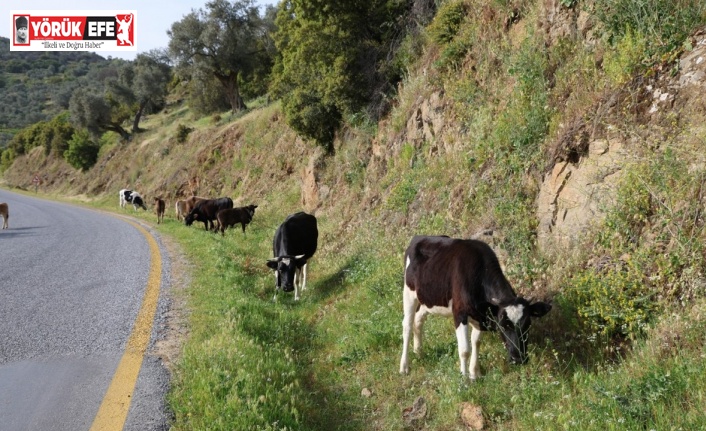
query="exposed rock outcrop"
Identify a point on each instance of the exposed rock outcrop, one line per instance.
(574, 196)
(577, 194)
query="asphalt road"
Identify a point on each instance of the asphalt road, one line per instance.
(71, 283)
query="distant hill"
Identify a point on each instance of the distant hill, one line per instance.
(35, 86)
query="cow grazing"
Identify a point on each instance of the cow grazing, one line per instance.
(129, 196)
(463, 279)
(138, 202)
(184, 207)
(159, 207)
(5, 213)
(125, 196)
(294, 243)
(233, 216)
(180, 209)
(191, 203)
(205, 211)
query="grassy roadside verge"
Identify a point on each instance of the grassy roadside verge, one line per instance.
(330, 361)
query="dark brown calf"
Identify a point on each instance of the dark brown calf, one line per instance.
(231, 217)
(159, 206)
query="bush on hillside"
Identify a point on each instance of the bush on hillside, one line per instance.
(82, 152)
(666, 23)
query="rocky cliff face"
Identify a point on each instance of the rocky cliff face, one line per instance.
(576, 194)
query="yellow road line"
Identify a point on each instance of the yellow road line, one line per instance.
(112, 413)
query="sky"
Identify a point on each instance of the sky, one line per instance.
(153, 17)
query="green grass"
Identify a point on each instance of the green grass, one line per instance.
(254, 364)
(251, 363)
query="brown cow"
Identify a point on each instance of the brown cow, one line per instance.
(184, 207)
(180, 209)
(191, 203)
(233, 216)
(159, 206)
(206, 210)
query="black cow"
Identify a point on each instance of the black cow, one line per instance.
(463, 279)
(205, 210)
(129, 196)
(294, 243)
(230, 217)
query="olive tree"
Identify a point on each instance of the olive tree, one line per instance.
(147, 78)
(92, 110)
(226, 39)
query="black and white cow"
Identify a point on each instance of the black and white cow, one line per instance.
(132, 197)
(294, 243)
(462, 278)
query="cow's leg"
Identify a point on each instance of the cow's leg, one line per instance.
(419, 318)
(274, 298)
(464, 350)
(303, 271)
(297, 283)
(409, 306)
(475, 338)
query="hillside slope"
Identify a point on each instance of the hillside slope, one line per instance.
(585, 172)
(36, 86)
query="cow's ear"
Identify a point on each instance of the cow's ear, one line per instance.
(272, 263)
(539, 309)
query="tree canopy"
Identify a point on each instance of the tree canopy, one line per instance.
(332, 60)
(144, 84)
(226, 40)
(97, 113)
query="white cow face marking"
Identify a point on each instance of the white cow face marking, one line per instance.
(514, 323)
(286, 268)
(515, 313)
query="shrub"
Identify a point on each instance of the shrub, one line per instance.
(444, 31)
(312, 117)
(183, 133)
(8, 156)
(632, 210)
(613, 302)
(447, 22)
(82, 153)
(666, 23)
(621, 63)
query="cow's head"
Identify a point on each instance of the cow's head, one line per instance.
(514, 321)
(137, 200)
(285, 268)
(190, 218)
